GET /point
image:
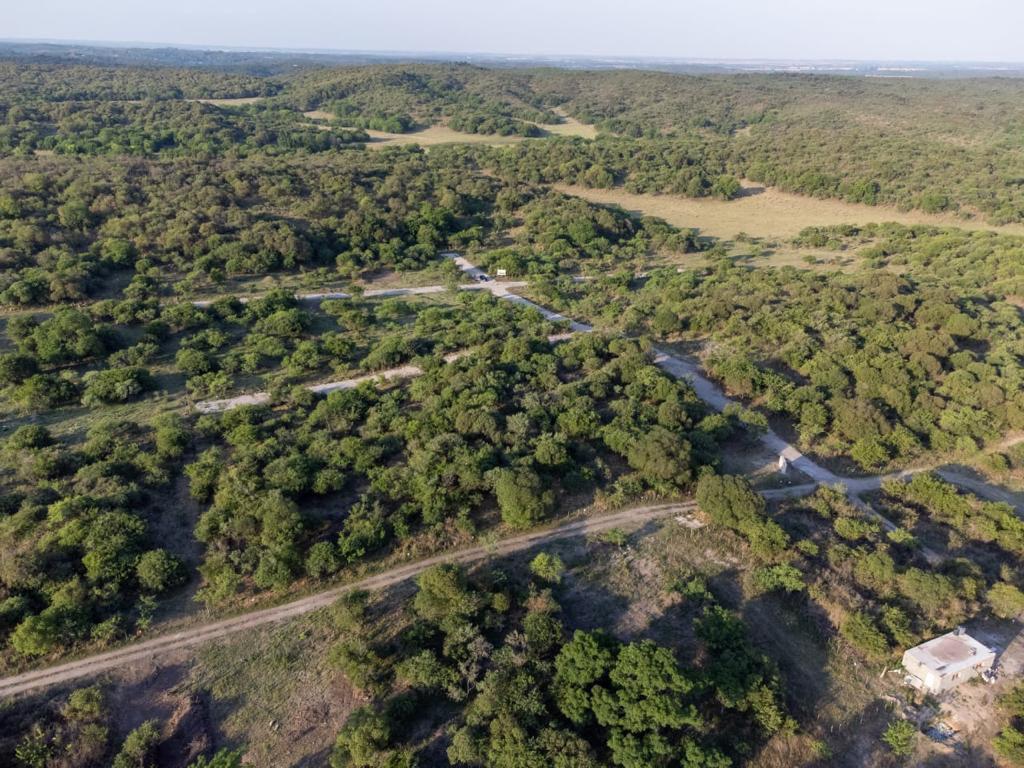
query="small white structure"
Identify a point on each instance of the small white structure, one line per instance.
(501, 272)
(946, 661)
(783, 464)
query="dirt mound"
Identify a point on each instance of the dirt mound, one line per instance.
(187, 734)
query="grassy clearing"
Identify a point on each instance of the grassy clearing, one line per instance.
(569, 126)
(442, 134)
(240, 101)
(765, 213)
(435, 135)
(275, 692)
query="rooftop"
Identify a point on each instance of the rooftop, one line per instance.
(950, 652)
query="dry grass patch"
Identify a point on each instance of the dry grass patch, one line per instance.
(318, 114)
(240, 101)
(766, 212)
(437, 134)
(569, 126)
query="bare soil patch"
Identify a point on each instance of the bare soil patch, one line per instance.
(240, 101)
(437, 134)
(766, 212)
(318, 114)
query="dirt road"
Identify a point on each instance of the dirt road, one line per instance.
(675, 366)
(147, 649)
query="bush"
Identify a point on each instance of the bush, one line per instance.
(138, 748)
(547, 567)
(116, 385)
(521, 497)
(322, 560)
(225, 758)
(16, 367)
(158, 570)
(899, 735)
(783, 578)
(860, 631)
(1006, 600)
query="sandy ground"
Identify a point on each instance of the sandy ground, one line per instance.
(766, 212)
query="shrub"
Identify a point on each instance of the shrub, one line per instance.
(547, 567)
(116, 385)
(860, 631)
(899, 735)
(158, 570)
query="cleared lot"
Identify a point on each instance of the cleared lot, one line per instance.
(765, 212)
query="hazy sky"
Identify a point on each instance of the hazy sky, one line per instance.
(942, 30)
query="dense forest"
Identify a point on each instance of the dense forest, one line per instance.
(238, 366)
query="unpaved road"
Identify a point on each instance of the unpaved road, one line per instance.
(187, 638)
(147, 649)
(675, 366)
(387, 293)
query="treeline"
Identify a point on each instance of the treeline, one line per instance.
(24, 82)
(559, 235)
(979, 261)
(694, 168)
(876, 367)
(176, 128)
(914, 143)
(878, 589)
(62, 231)
(421, 92)
(194, 222)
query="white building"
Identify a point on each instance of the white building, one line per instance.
(946, 661)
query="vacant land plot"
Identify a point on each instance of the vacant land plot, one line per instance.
(240, 101)
(569, 126)
(442, 134)
(437, 134)
(765, 212)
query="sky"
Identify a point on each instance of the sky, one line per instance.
(893, 30)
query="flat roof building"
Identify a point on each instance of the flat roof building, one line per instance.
(946, 661)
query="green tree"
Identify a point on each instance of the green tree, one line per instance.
(362, 741)
(547, 567)
(139, 747)
(1006, 600)
(521, 496)
(158, 571)
(899, 735)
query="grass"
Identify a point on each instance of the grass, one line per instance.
(275, 692)
(239, 101)
(442, 134)
(765, 212)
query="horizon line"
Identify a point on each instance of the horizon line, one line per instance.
(313, 51)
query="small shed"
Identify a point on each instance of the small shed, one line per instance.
(946, 661)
